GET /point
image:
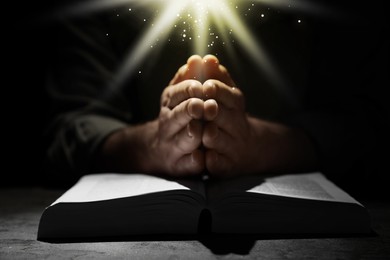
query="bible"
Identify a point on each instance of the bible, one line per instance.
(109, 205)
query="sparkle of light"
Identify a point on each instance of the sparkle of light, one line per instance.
(204, 23)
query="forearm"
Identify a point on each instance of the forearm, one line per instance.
(84, 111)
(74, 142)
(127, 150)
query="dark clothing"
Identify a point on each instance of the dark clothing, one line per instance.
(333, 67)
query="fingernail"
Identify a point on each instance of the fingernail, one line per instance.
(192, 158)
(189, 132)
(209, 89)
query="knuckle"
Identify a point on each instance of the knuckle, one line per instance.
(193, 88)
(189, 90)
(175, 116)
(166, 96)
(210, 89)
(193, 84)
(164, 115)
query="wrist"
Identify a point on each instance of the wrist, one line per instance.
(126, 150)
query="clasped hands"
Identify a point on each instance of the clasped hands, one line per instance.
(202, 122)
(203, 126)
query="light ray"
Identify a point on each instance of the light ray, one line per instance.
(201, 26)
(139, 52)
(250, 45)
(195, 19)
(256, 52)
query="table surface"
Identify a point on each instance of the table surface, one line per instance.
(21, 209)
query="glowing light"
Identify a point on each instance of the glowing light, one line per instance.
(204, 23)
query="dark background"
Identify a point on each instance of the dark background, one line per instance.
(27, 41)
(26, 44)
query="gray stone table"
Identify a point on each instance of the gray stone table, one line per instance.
(21, 208)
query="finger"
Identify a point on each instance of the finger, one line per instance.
(229, 97)
(194, 68)
(210, 109)
(173, 121)
(217, 165)
(179, 76)
(175, 94)
(212, 69)
(216, 139)
(190, 137)
(191, 70)
(189, 164)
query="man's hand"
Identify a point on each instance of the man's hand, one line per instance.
(179, 132)
(168, 145)
(228, 135)
(227, 131)
(234, 142)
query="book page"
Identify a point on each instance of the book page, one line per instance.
(309, 186)
(96, 187)
(285, 204)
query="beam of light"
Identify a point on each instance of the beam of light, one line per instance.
(194, 20)
(139, 52)
(252, 47)
(201, 23)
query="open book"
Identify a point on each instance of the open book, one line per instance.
(116, 205)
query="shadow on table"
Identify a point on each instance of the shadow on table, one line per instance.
(219, 244)
(243, 244)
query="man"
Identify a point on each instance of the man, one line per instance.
(204, 123)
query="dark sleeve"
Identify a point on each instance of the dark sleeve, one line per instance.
(348, 112)
(85, 105)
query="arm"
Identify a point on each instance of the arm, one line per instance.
(82, 117)
(93, 126)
